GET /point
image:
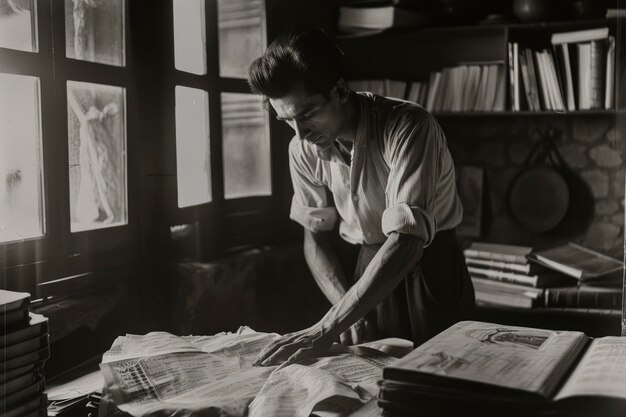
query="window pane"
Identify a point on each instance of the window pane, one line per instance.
(18, 25)
(246, 146)
(94, 31)
(241, 35)
(189, 36)
(21, 185)
(97, 155)
(193, 157)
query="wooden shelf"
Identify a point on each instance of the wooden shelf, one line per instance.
(587, 312)
(611, 112)
(563, 25)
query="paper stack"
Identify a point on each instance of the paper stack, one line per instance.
(23, 351)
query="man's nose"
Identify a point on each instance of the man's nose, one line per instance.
(301, 131)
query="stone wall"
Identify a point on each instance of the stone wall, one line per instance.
(590, 145)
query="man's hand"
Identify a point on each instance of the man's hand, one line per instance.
(302, 344)
(359, 332)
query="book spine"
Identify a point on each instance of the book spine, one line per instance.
(609, 94)
(494, 256)
(584, 69)
(502, 276)
(574, 297)
(504, 300)
(597, 74)
(489, 264)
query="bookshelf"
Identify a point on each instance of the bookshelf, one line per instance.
(413, 55)
(498, 140)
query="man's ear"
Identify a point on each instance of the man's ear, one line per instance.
(342, 90)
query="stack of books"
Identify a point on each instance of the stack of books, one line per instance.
(503, 275)
(384, 87)
(467, 88)
(598, 277)
(489, 369)
(460, 88)
(363, 18)
(577, 72)
(23, 352)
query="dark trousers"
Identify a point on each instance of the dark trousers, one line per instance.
(434, 295)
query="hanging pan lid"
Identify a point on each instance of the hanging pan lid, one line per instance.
(538, 198)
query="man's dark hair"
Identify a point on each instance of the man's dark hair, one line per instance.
(309, 56)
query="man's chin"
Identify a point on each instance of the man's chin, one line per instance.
(322, 142)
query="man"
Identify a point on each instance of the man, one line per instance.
(381, 168)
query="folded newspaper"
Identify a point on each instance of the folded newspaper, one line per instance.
(163, 374)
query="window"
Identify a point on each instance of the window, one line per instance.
(241, 25)
(21, 166)
(189, 36)
(64, 178)
(18, 25)
(193, 155)
(97, 155)
(246, 150)
(94, 31)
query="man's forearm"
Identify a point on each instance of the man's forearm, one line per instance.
(398, 255)
(324, 265)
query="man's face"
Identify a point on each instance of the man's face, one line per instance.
(315, 118)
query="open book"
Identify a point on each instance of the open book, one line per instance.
(502, 367)
(579, 262)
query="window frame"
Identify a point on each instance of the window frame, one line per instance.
(239, 222)
(61, 254)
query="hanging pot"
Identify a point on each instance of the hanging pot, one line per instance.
(539, 196)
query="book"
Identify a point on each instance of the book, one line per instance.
(13, 300)
(577, 36)
(541, 280)
(37, 326)
(33, 407)
(584, 69)
(23, 360)
(553, 81)
(500, 368)
(528, 91)
(488, 291)
(21, 348)
(17, 383)
(542, 85)
(584, 296)
(530, 268)
(562, 52)
(609, 94)
(380, 17)
(35, 367)
(498, 252)
(577, 261)
(516, 77)
(22, 395)
(597, 73)
(13, 320)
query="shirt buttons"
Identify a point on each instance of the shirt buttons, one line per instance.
(355, 198)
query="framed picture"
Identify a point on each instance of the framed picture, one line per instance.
(470, 183)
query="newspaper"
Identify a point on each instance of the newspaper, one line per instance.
(160, 373)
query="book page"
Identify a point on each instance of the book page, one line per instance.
(601, 371)
(522, 358)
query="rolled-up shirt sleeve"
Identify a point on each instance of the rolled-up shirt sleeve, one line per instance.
(312, 205)
(413, 149)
